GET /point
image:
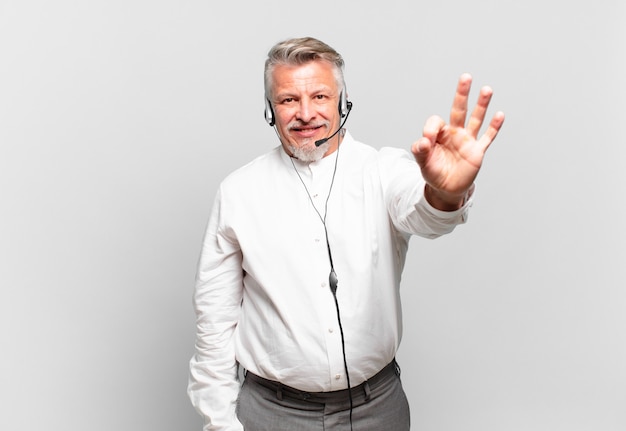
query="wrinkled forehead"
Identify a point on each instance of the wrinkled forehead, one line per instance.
(307, 77)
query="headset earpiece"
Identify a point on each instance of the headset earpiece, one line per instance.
(344, 105)
(269, 113)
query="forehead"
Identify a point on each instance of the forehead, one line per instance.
(308, 76)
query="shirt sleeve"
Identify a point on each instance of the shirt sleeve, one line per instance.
(213, 381)
(409, 210)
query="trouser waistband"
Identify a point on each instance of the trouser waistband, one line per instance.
(390, 370)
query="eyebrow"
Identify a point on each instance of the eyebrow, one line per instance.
(317, 90)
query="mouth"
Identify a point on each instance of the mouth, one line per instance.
(306, 131)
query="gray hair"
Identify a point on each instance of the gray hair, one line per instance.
(299, 51)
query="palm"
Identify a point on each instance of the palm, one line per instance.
(453, 162)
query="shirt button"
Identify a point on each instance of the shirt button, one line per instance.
(331, 330)
(323, 284)
(337, 376)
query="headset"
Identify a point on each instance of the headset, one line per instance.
(344, 108)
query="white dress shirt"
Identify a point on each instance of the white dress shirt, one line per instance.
(262, 297)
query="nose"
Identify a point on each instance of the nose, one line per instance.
(305, 111)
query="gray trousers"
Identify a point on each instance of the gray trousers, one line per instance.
(377, 406)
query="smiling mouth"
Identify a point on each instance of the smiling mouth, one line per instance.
(309, 131)
(306, 128)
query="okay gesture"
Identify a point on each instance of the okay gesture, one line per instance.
(450, 155)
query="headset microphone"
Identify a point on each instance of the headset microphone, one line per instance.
(348, 108)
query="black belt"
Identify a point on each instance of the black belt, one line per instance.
(391, 369)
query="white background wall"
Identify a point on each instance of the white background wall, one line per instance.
(118, 119)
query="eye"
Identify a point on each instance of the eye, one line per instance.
(320, 96)
(287, 100)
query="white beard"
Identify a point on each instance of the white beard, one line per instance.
(309, 153)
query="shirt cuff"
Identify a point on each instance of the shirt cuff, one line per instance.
(460, 215)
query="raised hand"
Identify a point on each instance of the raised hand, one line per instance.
(450, 155)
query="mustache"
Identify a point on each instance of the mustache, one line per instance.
(297, 124)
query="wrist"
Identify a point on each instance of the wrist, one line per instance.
(446, 201)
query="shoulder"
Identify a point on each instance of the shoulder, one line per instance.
(357, 156)
(254, 171)
(386, 157)
(356, 148)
